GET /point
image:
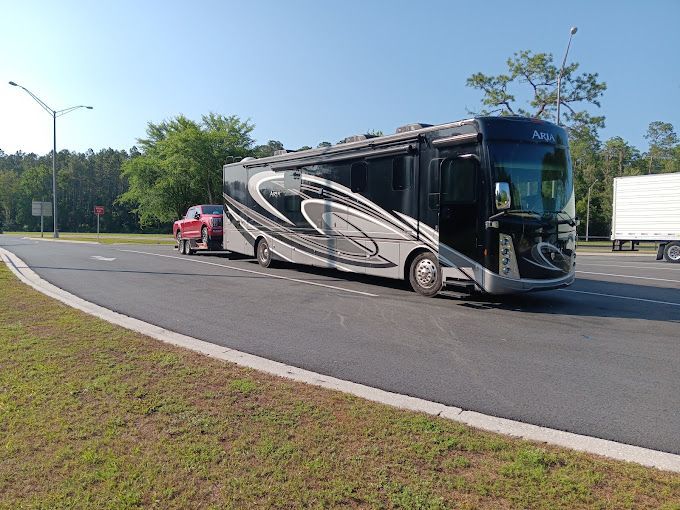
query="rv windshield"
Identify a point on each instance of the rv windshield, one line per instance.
(540, 177)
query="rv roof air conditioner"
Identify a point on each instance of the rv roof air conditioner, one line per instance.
(412, 127)
(354, 138)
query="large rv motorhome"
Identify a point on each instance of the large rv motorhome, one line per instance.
(486, 204)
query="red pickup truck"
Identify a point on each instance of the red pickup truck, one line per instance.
(200, 229)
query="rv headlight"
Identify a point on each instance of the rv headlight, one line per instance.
(507, 263)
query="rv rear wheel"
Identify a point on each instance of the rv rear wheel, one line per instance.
(264, 254)
(425, 274)
(672, 252)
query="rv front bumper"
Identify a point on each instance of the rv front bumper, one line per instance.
(497, 284)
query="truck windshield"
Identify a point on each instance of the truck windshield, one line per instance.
(212, 209)
(540, 177)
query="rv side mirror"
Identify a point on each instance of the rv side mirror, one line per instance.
(502, 194)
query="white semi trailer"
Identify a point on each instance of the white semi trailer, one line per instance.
(647, 208)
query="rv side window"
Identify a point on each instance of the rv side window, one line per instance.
(459, 181)
(358, 177)
(433, 188)
(292, 203)
(402, 173)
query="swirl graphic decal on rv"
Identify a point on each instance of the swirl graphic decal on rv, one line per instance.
(325, 222)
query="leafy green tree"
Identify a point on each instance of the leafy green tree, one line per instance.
(324, 144)
(662, 143)
(268, 149)
(539, 72)
(9, 186)
(180, 164)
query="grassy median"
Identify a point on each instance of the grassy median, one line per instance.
(95, 416)
(104, 238)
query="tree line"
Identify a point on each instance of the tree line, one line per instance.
(144, 189)
(178, 163)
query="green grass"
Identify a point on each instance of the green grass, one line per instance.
(104, 238)
(95, 416)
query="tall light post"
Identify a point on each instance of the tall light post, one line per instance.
(588, 208)
(54, 114)
(572, 31)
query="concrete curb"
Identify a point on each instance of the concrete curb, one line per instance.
(610, 449)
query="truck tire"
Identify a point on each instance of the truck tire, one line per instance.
(425, 274)
(264, 254)
(672, 252)
(204, 235)
(178, 237)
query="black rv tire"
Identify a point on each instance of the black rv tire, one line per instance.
(264, 254)
(204, 236)
(425, 274)
(672, 252)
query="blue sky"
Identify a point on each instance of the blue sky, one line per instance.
(308, 71)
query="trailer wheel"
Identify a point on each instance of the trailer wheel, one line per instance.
(672, 252)
(425, 274)
(204, 235)
(264, 254)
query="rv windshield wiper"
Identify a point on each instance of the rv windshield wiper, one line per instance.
(508, 211)
(572, 222)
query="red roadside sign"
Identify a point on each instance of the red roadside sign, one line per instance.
(99, 210)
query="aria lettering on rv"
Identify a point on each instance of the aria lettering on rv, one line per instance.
(542, 135)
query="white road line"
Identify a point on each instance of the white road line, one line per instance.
(105, 259)
(670, 303)
(268, 275)
(659, 267)
(629, 276)
(611, 449)
(52, 240)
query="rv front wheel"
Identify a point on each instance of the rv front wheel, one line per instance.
(425, 274)
(672, 252)
(264, 254)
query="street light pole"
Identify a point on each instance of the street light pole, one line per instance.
(572, 31)
(54, 114)
(588, 209)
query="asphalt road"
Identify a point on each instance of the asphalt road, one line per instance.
(601, 358)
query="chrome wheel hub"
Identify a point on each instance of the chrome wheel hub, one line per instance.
(426, 273)
(674, 253)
